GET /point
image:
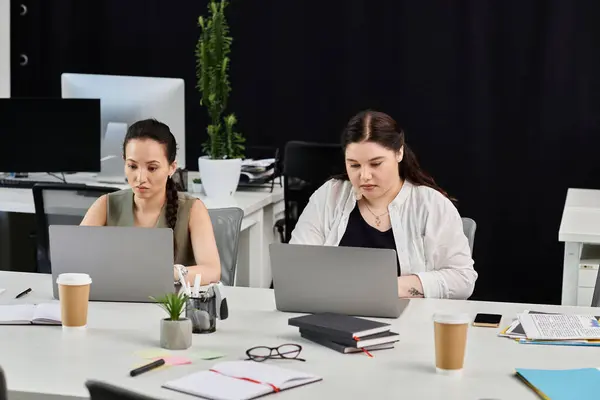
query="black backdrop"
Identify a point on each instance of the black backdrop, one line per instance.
(500, 99)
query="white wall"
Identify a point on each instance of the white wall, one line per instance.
(4, 48)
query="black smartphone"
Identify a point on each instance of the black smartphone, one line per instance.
(487, 320)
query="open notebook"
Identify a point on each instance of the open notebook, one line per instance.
(240, 380)
(24, 314)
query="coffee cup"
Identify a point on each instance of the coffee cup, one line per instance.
(74, 295)
(450, 331)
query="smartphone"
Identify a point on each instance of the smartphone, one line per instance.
(487, 320)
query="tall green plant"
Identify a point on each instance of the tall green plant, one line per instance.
(212, 67)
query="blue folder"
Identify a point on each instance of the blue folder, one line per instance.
(567, 384)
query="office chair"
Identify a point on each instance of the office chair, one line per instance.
(306, 166)
(227, 223)
(60, 204)
(469, 227)
(3, 389)
(104, 391)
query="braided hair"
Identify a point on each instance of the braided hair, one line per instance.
(157, 131)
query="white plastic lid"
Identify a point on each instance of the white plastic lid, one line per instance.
(73, 279)
(452, 318)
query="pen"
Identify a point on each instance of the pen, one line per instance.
(197, 281)
(23, 293)
(147, 367)
(184, 285)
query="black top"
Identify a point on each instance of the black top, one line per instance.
(360, 234)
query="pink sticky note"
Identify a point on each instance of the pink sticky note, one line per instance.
(175, 360)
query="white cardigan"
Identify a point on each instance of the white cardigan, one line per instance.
(430, 241)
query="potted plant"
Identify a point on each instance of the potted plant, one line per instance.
(197, 185)
(221, 166)
(175, 332)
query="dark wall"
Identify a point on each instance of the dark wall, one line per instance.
(500, 100)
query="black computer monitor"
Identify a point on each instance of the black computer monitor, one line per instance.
(49, 135)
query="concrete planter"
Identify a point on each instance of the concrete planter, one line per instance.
(176, 335)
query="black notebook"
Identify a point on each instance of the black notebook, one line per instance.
(359, 342)
(342, 348)
(341, 326)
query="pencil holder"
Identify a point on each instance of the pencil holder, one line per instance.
(202, 311)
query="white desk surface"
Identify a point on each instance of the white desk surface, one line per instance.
(581, 217)
(21, 200)
(43, 360)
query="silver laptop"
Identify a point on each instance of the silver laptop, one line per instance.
(343, 280)
(125, 263)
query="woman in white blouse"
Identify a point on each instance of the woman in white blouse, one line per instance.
(387, 201)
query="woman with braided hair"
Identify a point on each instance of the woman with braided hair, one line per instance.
(149, 150)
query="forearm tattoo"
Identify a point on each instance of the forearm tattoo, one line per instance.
(414, 292)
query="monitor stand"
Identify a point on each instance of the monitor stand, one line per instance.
(112, 167)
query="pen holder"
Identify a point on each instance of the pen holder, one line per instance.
(202, 311)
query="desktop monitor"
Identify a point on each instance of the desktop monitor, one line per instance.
(49, 135)
(125, 100)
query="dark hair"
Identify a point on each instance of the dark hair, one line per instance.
(159, 132)
(380, 128)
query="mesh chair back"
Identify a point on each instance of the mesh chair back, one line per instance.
(60, 204)
(227, 223)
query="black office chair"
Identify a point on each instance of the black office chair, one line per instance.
(306, 166)
(60, 204)
(3, 389)
(103, 391)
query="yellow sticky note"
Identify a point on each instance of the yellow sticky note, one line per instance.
(152, 353)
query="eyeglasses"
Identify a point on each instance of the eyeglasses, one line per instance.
(287, 351)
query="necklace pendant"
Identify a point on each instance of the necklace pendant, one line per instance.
(377, 221)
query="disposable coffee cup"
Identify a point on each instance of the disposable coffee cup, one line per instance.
(74, 295)
(450, 332)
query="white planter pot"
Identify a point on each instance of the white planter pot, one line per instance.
(176, 335)
(197, 188)
(220, 178)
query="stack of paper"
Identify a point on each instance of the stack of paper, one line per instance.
(534, 327)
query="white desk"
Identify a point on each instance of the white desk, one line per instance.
(41, 361)
(580, 231)
(261, 210)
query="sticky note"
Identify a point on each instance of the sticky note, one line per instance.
(208, 354)
(152, 353)
(175, 360)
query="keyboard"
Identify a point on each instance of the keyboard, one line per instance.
(17, 183)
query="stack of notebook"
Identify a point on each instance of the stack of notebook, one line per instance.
(344, 333)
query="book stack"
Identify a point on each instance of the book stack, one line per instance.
(535, 327)
(344, 333)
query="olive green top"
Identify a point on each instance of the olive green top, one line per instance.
(119, 212)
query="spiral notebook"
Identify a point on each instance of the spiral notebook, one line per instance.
(240, 380)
